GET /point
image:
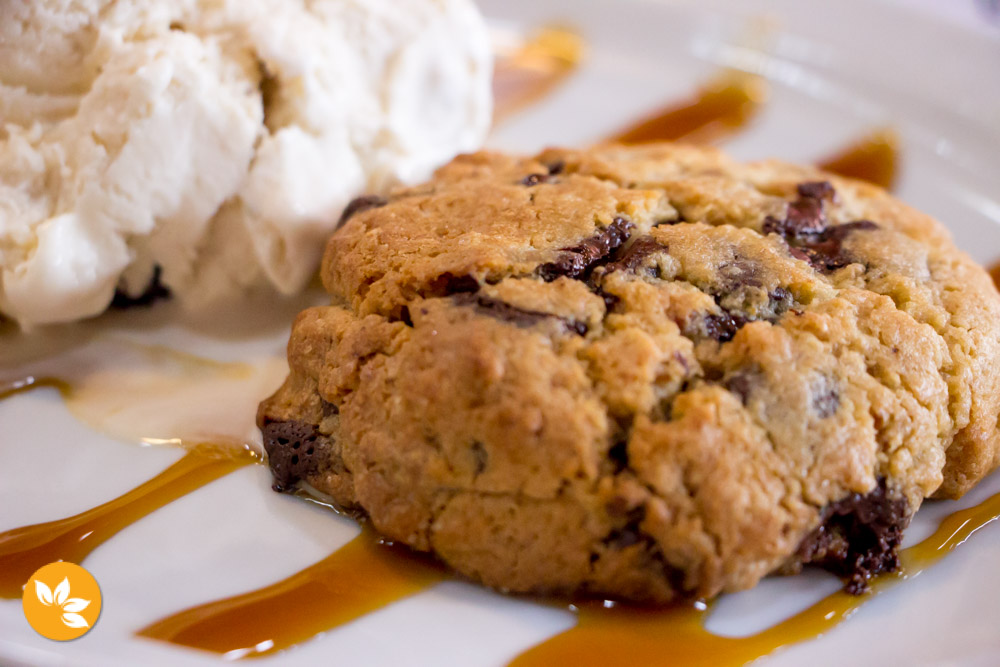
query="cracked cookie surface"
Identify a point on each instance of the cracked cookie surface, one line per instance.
(642, 373)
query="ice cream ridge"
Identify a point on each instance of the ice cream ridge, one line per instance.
(214, 145)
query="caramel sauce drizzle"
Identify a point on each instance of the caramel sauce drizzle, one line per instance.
(727, 104)
(359, 578)
(23, 385)
(722, 107)
(874, 158)
(526, 73)
(366, 575)
(23, 550)
(632, 635)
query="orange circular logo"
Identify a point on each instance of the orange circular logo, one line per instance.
(61, 601)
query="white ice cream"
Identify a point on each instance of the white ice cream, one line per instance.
(217, 139)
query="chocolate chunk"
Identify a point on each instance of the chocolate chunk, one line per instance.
(556, 168)
(722, 327)
(859, 537)
(576, 260)
(631, 533)
(448, 283)
(635, 254)
(294, 451)
(826, 251)
(155, 291)
(610, 300)
(740, 272)
(741, 383)
(534, 179)
(619, 455)
(817, 190)
(807, 231)
(505, 312)
(804, 216)
(359, 205)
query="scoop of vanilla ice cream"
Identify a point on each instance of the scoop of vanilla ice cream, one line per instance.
(218, 140)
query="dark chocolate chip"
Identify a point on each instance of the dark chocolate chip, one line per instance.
(520, 317)
(295, 450)
(817, 190)
(359, 205)
(556, 167)
(825, 397)
(619, 455)
(635, 254)
(574, 261)
(826, 251)
(859, 537)
(480, 456)
(722, 327)
(630, 534)
(738, 273)
(534, 179)
(155, 291)
(804, 216)
(448, 283)
(610, 300)
(742, 384)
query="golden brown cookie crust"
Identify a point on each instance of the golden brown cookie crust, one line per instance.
(641, 372)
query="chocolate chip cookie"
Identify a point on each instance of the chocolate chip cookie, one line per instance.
(641, 373)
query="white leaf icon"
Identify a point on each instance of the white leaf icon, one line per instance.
(61, 592)
(76, 604)
(74, 621)
(44, 593)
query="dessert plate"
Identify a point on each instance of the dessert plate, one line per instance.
(835, 71)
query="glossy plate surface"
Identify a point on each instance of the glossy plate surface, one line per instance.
(837, 70)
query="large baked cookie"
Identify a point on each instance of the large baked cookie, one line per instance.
(642, 373)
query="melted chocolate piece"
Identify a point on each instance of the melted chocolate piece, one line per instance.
(359, 205)
(635, 255)
(817, 190)
(295, 450)
(826, 251)
(807, 231)
(576, 260)
(534, 179)
(155, 291)
(806, 215)
(723, 327)
(448, 283)
(505, 312)
(859, 537)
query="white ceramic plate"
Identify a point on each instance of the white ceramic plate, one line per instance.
(837, 69)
